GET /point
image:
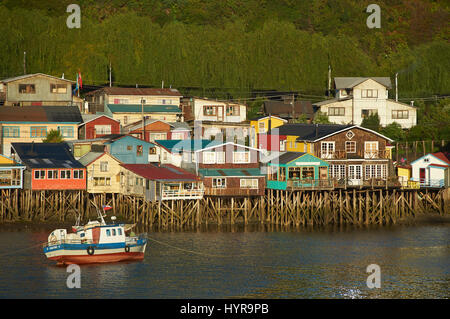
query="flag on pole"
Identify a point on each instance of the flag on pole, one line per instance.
(106, 207)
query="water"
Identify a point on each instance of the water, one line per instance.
(414, 262)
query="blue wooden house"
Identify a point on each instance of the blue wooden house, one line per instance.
(298, 171)
(131, 150)
(11, 173)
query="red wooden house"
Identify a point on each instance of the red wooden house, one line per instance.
(95, 126)
(230, 169)
(49, 166)
(158, 130)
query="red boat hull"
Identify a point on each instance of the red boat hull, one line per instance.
(94, 259)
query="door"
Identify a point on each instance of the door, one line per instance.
(354, 175)
(323, 172)
(220, 113)
(422, 176)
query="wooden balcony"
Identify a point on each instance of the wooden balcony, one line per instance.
(234, 191)
(310, 184)
(182, 194)
(342, 154)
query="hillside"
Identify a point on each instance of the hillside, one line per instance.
(231, 47)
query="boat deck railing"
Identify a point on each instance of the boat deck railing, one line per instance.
(68, 241)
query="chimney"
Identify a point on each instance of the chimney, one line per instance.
(412, 103)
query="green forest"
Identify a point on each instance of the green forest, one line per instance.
(231, 48)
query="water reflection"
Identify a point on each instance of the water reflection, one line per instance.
(251, 262)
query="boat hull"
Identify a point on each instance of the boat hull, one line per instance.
(91, 254)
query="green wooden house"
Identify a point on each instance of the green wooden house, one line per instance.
(298, 171)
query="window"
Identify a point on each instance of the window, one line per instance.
(219, 183)
(104, 166)
(232, 110)
(375, 171)
(65, 174)
(39, 174)
(261, 127)
(272, 173)
(58, 88)
(158, 136)
(102, 181)
(102, 129)
(177, 136)
(38, 131)
(125, 120)
(327, 149)
(119, 230)
(307, 172)
(400, 114)
(220, 157)
(209, 110)
(139, 150)
(337, 171)
(350, 147)
(213, 157)
(11, 131)
(66, 131)
(78, 174)
(249, 183)
(108, 233)
(370, 149)
(113, 232)
(369, 93)
(354, 172)
(152, 150)
(366, 113)
(283, 146)
(241, 157)
(336, 111)
(121, 101)
(27, 88)
(52, 174)
(129, 147)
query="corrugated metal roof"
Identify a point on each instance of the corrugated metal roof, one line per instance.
(137, 108)
(58, 114)
(308, 132)
(350, 82)
(89, 157)
(20, 77)
(287, 157)
(176, 146)
(164, 172)
(46, 155)
(137, 91)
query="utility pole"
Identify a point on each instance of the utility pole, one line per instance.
(24, 62)
(110, 74)
(329, 80)
(396, 87)
(143, 119)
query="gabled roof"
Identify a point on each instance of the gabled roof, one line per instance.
(21, 77)
(59, 114)
(317, 132)
(91, 117)
(115, 137)
(351, 82)
(137, 108)
(137, 91)
(45, 155)
(177, 146)
(231, 172)
(162, 173)
(288, 157)
(267, 116)
(443, 157)
(92, 156)
(227, 143)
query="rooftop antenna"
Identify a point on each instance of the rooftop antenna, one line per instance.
(24, 62)
(396, 87)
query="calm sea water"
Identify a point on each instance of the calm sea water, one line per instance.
(248, 263)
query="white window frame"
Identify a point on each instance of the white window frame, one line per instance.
(249, 183)
(327, 152)
(221, 184)
(240, 159)
(369, 152)
(102, 129)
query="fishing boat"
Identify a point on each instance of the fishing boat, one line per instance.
(95, 242)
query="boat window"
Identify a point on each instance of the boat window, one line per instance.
(114, 232)
(108, 232)
(120, 232)
(82, 235)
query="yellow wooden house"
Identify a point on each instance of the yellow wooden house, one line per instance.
(263, 124)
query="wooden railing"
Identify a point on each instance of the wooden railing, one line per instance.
(341, 154)
(233, 191)
(168, 194)
(310, 184)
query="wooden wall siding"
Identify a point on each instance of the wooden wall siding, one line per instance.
(58, 184)
(253, 163)
(360, 137)
(233, 187)
(89, 128)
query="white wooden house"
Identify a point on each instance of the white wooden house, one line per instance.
(431, 170)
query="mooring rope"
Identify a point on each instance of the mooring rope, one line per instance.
(23, 249)
(197, 252)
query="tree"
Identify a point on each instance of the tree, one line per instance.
(372, 122)
(394, 131)
(321, 118)
(54, 136)
(301, 119)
